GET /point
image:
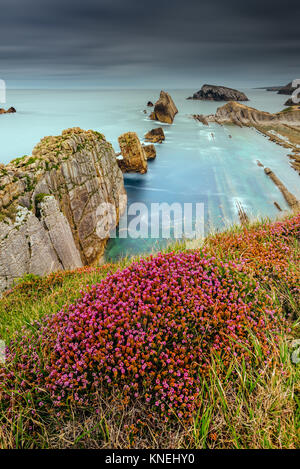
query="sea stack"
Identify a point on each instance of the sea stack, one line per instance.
(219, 93)
(164, 109)
(134, 158)
(155, 135)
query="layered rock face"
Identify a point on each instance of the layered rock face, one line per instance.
(164, 109)
(155, 135)
(49, 204)
(134, 158)
(240, 114)
(219, 93)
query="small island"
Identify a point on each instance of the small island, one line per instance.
(219, 93)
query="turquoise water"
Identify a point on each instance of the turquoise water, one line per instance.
(191, 165)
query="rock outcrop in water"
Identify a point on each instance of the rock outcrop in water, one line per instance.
(134, 158)
(242, 115)
(201, 118)
(219, 93)
(292, 201)
(164, 109)
(287, 89)
(49, 204)
(273, 88)
(156, 135)
(11, 110)
(150, 152)
(282, 127)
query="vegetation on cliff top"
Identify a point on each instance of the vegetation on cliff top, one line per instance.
(21, 175)
(190, 348)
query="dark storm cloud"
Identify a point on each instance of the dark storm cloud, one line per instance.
(133, 42)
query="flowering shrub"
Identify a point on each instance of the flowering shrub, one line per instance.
(267, 251)
(147, 332)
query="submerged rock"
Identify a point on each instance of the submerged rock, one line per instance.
(49, 204)
(219, 93)
(164, 109)
(134, 158)
(278, 206)
(156, 135)
(200, 118)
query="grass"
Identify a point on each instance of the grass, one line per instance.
(239, 407)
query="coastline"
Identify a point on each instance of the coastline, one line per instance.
(276, 127)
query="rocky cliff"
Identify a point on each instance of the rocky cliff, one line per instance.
(287, 89)
(49, 204)
(219, 93)
(164, 109)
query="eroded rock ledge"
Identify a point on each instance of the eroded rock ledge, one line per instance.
(49, 204)
(282, 127)
(240, 114)
(291, 200)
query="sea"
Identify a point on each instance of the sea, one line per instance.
(215, 166)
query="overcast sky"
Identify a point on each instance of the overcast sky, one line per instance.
(163, 43)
